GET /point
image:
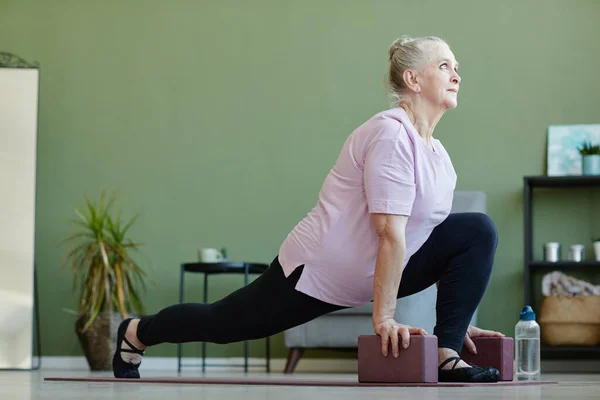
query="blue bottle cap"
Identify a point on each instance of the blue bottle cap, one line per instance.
(527, 314)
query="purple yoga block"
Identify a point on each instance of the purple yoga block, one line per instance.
(417, 364)
(497, 352)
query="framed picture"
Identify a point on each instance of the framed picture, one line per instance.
(563, 158)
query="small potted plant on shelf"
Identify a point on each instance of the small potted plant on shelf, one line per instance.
(106, 279)
(590, 158)
(596, 242)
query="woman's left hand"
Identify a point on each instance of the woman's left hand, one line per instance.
(474, 332)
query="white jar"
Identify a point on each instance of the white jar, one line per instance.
(576, 253)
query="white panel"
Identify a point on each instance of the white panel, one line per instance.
(18, 140)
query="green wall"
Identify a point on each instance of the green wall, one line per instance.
(220, 119)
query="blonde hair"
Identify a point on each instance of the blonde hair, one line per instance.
(405, 53)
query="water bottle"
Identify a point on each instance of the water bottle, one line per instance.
(527, 347)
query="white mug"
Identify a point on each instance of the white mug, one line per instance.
(210, 255)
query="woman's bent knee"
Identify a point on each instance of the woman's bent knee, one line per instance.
(487, 227)
(485, 234)
(481, 225)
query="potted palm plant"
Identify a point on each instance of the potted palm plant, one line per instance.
(106, 279)
(590, 158)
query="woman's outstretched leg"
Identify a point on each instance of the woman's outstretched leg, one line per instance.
(459, 254)
(268, 305)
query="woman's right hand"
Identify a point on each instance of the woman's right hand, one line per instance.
(389, 330)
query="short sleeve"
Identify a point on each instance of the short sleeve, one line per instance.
(389, 175)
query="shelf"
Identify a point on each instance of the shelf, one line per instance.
(562, 181)
(533, 265)
(570, 352)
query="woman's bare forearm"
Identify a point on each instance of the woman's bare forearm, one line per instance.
(388, 273)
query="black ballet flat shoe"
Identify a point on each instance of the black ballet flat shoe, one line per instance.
(469, 375)
(122, 369)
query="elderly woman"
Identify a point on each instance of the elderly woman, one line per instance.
(381, 230)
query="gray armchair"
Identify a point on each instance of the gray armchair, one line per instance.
(340, 329)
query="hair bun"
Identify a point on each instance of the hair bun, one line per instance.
(401, 41)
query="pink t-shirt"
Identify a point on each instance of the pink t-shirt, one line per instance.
(384, 167)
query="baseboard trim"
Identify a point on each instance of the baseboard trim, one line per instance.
(233, 364)
(570, 366)
(305, 365)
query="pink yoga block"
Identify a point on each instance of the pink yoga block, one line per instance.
(417, 364)
(497, 352)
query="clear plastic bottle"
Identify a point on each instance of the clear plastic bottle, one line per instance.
(527, 347)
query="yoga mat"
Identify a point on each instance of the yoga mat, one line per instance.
(285, 382)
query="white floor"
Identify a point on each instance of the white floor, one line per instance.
(31, 385)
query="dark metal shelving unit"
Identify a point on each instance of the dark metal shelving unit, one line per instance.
(532, 266)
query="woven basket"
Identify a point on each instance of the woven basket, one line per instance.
(570, 321)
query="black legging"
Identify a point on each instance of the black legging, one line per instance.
(459, 253)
